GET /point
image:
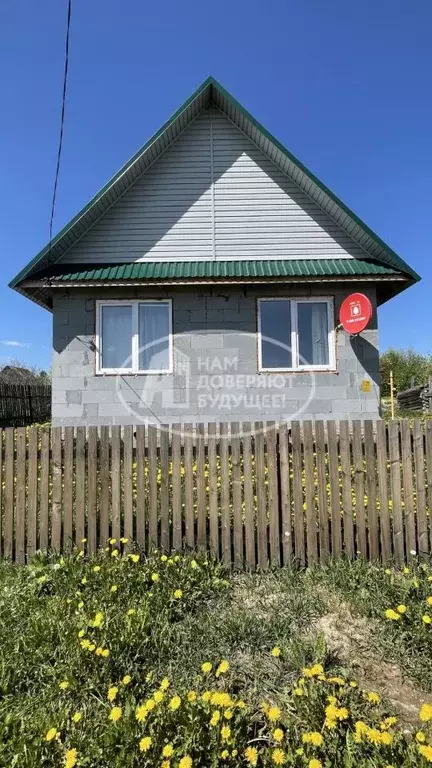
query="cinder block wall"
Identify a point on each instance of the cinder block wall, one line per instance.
(215, 338)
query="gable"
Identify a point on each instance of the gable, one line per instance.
(212, 194)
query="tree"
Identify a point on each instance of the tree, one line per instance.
(407, 366)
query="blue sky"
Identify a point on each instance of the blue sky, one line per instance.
(345, 86)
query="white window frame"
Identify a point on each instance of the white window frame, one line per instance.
(331, 366)
(134, 370)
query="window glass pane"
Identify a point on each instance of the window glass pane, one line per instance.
(116, 331)
(153, 322)
(312, 319)
(276, 334)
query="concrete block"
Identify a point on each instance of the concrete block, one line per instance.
(207, 341)
(73, 397)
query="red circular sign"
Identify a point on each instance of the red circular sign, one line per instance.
(355, 312)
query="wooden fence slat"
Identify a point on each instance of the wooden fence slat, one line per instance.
(297, 464)
(128, 511)
(408, 488)
(20, 495)
(104, 478)
(32, 498)
(68, 485)
(80, 485)
(345, 459)
(44, 489)
(56, 507)
(311, 521)
(248, 495)
(381, 438)
(371, 480)
(225, 495)
(237, 494)
(141, 494)
(361, 543)
(115, 482)
(152, 466)
(261, 496)
(333, 457)
(176, 486)
(92, 490)
(213, 491)
(201, 487)
(273, 494)
(323, 512)
(189, 493)
(395, 477)
(422, 526)
(285, 493)
(9, 492)
(428, 426)
(1, 492)
(164, 488)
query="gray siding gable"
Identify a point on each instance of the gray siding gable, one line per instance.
(212, 194)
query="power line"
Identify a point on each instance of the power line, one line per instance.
(62, 119)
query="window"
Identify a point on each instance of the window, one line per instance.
(134, 337)
(295, 334)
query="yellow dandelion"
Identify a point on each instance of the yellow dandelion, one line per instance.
(168, 750)
(420, 737)
(222, 668)
(186, 762)
(115, 714)
(425, 713)
(178, 594)
(426, 752)
(76, 717)
(96, 568)
(113, 541)
(275, 652)
(429, 600)
(278, 756)
(114, 588)
(273, 714)
(112, 693)
(126, 679)
(165, 684)
(225, 732)
(391, 614)
(251, 755)
(124, 540)
(206, 667)
(64, 685)
(158, 696)
(401, 608)
(373, 697)
(215, 718)
(134, 558)
(191, 696)
(145, 744)
(175, 703)
(426, 619)
(51, 734)
(278, 734)
(315, 763)
(70, 758)
(155, 577)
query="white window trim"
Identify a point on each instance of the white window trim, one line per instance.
(294, 335)
(134, 370)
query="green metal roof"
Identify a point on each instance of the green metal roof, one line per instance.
(212, 92)
(195, 270)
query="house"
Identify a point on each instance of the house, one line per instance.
(204, 281)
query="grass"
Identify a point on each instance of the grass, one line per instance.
(85, 641)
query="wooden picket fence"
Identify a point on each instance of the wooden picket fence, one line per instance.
(254, 495)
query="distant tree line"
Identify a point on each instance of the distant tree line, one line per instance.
(410, 368)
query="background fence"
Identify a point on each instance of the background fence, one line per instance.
(253, 495)
(22, 404)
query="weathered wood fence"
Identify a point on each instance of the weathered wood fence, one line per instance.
(252, 494)
(22, 404)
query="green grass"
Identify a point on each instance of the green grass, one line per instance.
(151, 632)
